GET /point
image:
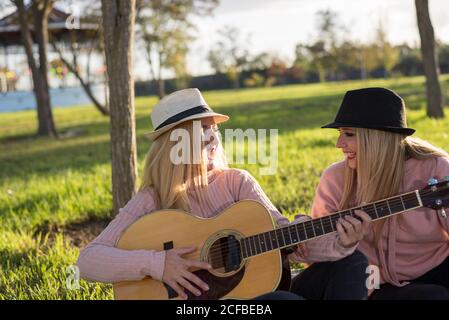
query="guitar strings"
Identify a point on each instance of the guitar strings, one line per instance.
(309, 227)
(223, 249)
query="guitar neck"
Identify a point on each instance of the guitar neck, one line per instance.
(299, 232)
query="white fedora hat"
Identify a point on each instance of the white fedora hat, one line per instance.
(178, 107)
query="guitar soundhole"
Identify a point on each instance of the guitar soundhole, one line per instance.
(225, 254)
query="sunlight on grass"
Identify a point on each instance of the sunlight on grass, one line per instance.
(45, 182)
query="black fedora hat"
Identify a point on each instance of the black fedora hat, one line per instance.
(372, 108)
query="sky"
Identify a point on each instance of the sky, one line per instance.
(278, 25)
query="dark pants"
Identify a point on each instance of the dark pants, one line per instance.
(344, 279)
(434, 285)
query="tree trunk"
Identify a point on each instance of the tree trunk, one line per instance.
(118, 25)
(46, 126)
(237, 80)
(321, 73)
(41, 26)
(161, 88)
(160, 81)
(430, 60)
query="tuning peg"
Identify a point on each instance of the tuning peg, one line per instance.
(441, 211)
(432, 182)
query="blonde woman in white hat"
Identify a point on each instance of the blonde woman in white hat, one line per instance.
(204, 186)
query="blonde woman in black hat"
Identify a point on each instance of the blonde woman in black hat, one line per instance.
(381, 160)
(204, 188)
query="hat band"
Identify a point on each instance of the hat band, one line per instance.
(184, 114)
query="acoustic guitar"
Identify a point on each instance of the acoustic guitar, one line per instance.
(243, 245)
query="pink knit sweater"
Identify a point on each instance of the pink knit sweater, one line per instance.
(101, 261)
(413, 242)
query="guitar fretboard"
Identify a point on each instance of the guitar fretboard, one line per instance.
(298, 232)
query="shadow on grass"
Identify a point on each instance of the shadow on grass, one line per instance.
(78, 233)
(83, 152)
(11, 259)
(287, 115)
(414, 94)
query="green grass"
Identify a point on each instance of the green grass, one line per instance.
(50, 184)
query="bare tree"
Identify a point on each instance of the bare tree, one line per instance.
(230, 54)
(73, 67)
(118, 26)
(430, 60)
(164, 28)
(388, 55)
(35, 15)
(91, 41)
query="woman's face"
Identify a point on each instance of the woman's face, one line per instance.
(347, 142)
(212, 137)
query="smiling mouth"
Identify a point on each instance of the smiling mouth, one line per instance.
(350, 155)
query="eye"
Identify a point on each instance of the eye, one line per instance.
(349, 134)
(214, 128)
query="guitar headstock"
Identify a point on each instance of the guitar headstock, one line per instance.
(436, 194)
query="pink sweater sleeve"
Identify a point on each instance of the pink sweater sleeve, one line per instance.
(327, 195)
(246, 187)
(101, 261)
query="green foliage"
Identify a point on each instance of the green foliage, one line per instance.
(255, 80)
(164, 27)
(230, 54)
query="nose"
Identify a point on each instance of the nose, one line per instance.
(341, 143)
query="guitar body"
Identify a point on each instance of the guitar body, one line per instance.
(246, 255)
(215, 238)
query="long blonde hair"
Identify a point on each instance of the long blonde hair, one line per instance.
(172, 181)
(380, 169)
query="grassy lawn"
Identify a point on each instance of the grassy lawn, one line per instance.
(55, 194)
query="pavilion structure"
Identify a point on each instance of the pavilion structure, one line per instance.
(63, 28)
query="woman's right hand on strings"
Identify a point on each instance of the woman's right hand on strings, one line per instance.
(177, 274)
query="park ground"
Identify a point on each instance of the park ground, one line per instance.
(55, 195)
